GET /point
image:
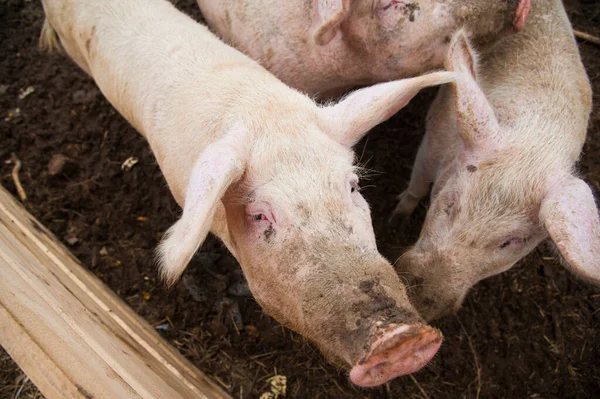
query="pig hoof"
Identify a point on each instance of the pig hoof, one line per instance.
(521, 14)
(401, 351)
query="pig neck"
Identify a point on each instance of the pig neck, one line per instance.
(249, 97)
(539, 90)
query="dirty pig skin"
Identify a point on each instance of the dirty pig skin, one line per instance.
(263, 167)
(325, 47)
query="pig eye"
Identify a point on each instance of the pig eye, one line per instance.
(259, 217)
(259, 212)
(354, 187)
(514, 242)
(355, 199)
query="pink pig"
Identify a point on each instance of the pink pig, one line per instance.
(325, 47)
(500, 147)
(263, 167)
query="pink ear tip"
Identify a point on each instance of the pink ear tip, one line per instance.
(521, 15)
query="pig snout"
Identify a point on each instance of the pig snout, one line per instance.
(370, 326)
(432, 285)
(401, 350)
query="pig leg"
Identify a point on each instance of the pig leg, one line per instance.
(439, 140)
(422, 176)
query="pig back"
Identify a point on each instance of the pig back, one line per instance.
(376, 41)
(537, 84)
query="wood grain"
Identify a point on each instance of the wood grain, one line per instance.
(72, 336)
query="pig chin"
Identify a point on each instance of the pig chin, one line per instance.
(438, 309)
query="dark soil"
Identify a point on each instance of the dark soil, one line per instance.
(531, 332)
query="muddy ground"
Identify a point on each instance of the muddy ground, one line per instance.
(531, 332)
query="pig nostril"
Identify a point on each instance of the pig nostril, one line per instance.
(401, 351)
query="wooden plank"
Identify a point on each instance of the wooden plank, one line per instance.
(72, 336)
(49, 379)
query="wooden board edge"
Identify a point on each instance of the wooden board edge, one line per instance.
(18, 346)
(38, 366)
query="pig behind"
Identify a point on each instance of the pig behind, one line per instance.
(500, 147)
(264, 168)
(327, 46)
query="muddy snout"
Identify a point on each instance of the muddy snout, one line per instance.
(398, 351)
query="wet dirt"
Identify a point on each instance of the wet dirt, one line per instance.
(531, 332)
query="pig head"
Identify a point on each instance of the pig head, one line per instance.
(500, 146)
(293, 216)
(324, 47)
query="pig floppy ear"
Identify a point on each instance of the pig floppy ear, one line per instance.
(329, 14)
(216, 169)
(476, 121)
(351, 118)
(570, 216)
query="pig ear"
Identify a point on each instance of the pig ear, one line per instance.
(351, 118)
(216, 169)
(570, 216)
(329, 14)
(476, 121)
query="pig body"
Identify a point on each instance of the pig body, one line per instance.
(324, 47)
(264, 168)
(500, 147)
